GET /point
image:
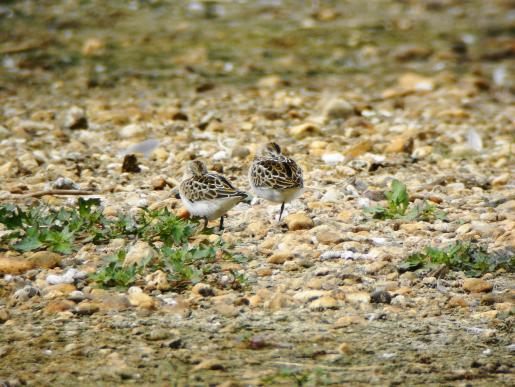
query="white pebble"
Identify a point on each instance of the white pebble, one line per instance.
(332, 158)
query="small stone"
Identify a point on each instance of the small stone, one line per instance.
(14, 264)
(226, 310)
(209, 364)
(348, 320)
(86, 308)
(159, 184)
(142, 300)
(415, 82)
(380, 297)
(75, 118)
(204, 290)
(157, 280)
(132, 130)
(299, 221)
(4, 316)
(159, 334)
(139, 253)
(76, 296)
(338, 109)
(264, 271)
(271, 82)
(327, 236)
(130, 164)
(455, 302)
(280, 257)
(345, 349)
(477, 285)
(23, 294)
(64, 183)
(357, 298)
(93, 47)
(304, 130)
(322, 303)
(278, 301)
(401, 144)
(44, 259)
(58, 306)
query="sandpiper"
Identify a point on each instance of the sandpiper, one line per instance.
(208, 195)
(275, 177)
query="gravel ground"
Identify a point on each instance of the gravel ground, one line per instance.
(359, 94)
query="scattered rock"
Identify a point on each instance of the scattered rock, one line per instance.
(138, 254)
(477, 285)
(327, 236)
(209, 364)
(86, 308)
(415, 82)
(380, 297)
(348, 320)
(44, 259)
(157, 280)
(130, 164)
(4, 316)
(58, 306)
(304, 130)
(299, 221)
(204, 290)
(68, 277)
(280, 257)
(132, 130)
(322, 303)
(142, 300)
(75, 118)
(14, 264)
(338, 108)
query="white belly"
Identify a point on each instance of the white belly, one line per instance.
(211, 209)
(278, 195)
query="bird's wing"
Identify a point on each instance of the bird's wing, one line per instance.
(276, 173)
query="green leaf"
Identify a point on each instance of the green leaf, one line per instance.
(60, 241)
(31, 241)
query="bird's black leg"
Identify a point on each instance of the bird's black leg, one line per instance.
(205, 222)
(281, 213)
(221, 223)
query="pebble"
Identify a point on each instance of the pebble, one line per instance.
(322, 303)
(338, 108)
(86, 308)
(138, 254)
(209, 364)
(203, 290)
(44, 259)
(304, 130)
(75, 118)
(298, 221)
(280, 257)
(142, 300)
(132, 130)
(477, 285)
(68, 277)
(380, 297)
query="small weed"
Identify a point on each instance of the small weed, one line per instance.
(469, 258)
(64, 230)
(398, 203)
(114, 274)
(299, 378)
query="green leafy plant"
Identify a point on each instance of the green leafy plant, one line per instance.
(470, 258)
(114, 274)
(63, 230)
(398, 203)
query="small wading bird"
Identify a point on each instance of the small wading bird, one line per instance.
(208, 195)
(275, 177)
